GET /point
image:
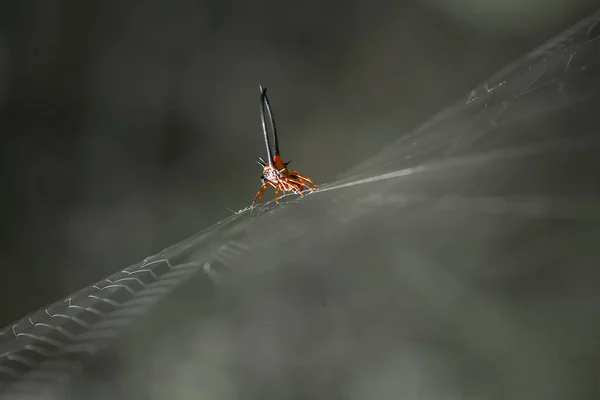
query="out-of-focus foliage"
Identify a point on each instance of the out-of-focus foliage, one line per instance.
(505, 17)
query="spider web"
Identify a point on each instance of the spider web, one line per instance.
(458, 262)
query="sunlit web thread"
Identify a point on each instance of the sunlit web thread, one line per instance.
(559, 145)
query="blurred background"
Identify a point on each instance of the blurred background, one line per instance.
(128, 126)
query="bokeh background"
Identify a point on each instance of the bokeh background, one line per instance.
(127, 126)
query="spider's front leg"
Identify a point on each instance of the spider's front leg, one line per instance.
(306, 178)
(259, 194)
(295, 186)
(277, 194)
(299, 184)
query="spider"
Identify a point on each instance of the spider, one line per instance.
(276, 172)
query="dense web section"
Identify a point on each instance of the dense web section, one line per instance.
(468, 208)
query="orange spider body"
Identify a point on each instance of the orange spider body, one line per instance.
(276, 172)
(282, 178)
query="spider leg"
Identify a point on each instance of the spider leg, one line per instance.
(277, 194)
(259, 194)
(290, 186)
(296, 186)
(306, 178)
(300, 183)
(266, 183)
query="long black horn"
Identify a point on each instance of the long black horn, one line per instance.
(263, 95)
(265, 102)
